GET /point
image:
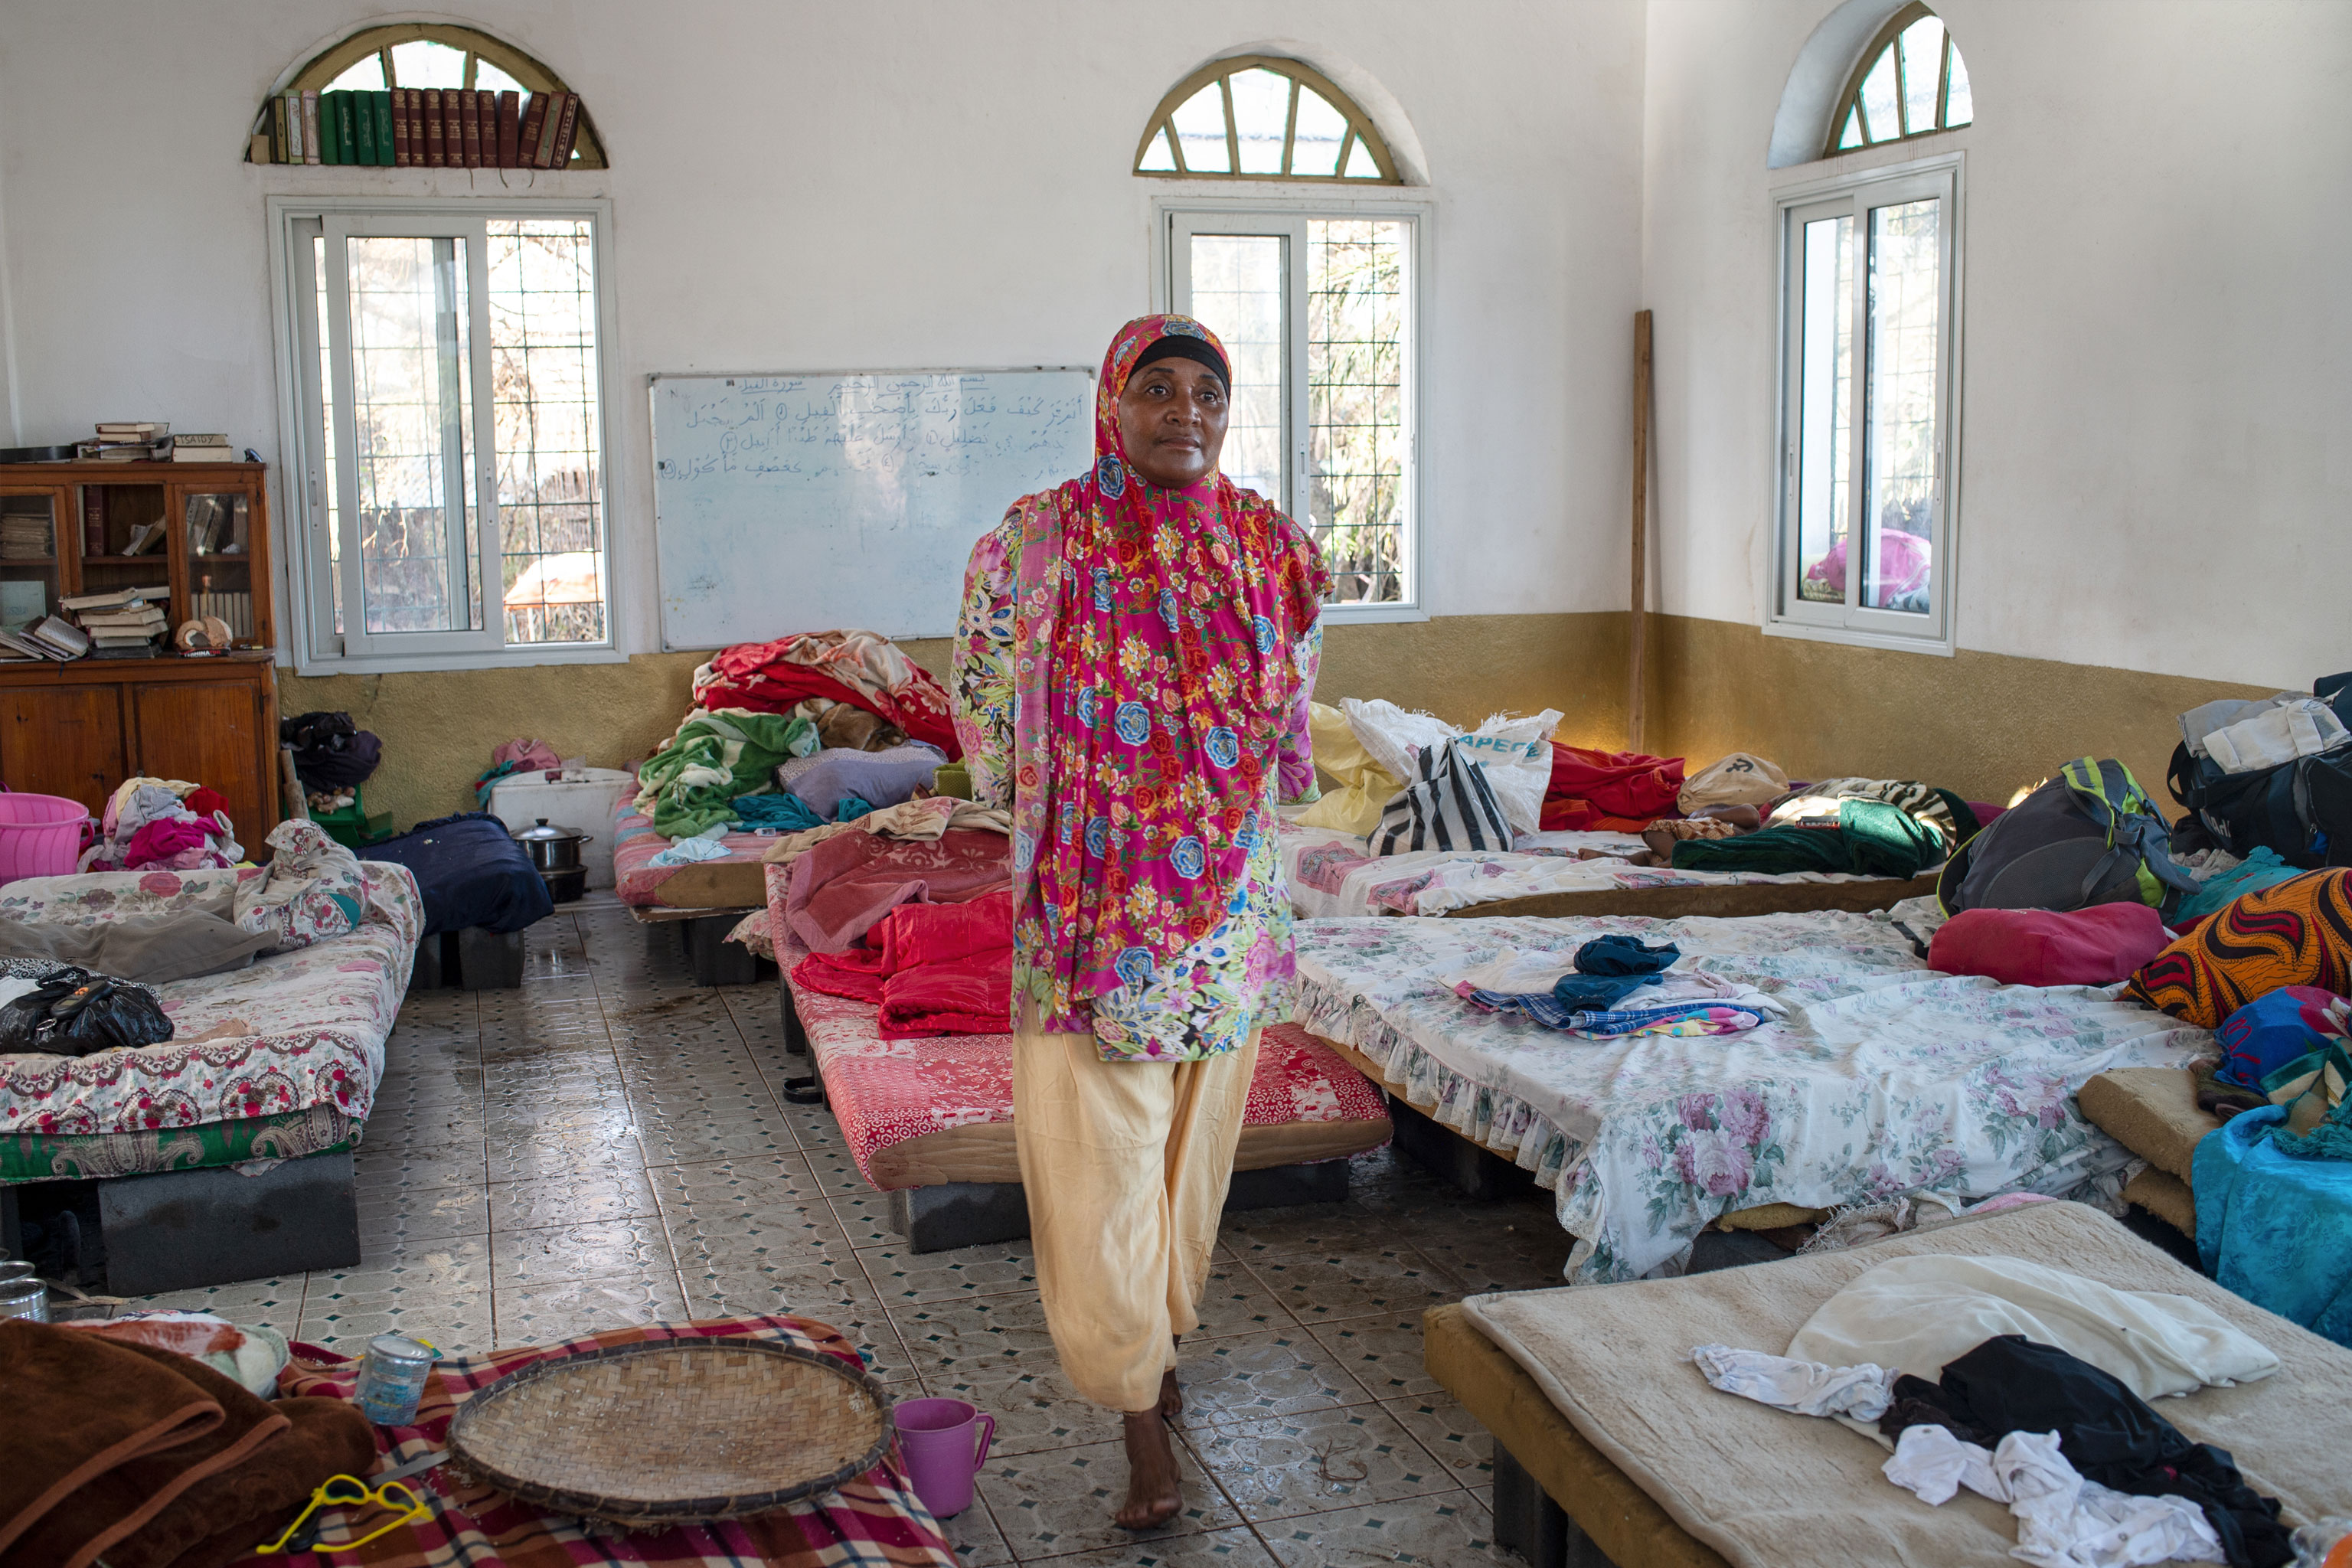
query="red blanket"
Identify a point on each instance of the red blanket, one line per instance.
(757, 676)
(936, 969)
(1594, 792)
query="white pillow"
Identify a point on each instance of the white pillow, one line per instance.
(1393, 736)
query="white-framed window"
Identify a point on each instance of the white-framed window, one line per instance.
(1319, 306)
(1870, 296)
(444, 386)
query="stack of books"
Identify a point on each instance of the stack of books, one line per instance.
(52, 640)
(26, 537)
(123, 624)
(128, 441)
(421, 128)
(202, 449)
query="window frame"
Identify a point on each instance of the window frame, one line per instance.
(1787, 614)
(1287, 213)
(311, 639)
(1850, 100)
(1360, 125)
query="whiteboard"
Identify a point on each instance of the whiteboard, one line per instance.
(799, 503)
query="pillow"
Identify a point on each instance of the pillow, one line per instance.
(1364, 785)
(153, 949)
(2296, 932)
(1448, 806)
(311, 891)
(1391, 736)
(2094, 946)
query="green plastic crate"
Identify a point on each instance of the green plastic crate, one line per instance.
(355, 826)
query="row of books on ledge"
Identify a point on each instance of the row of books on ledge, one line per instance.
(151, 441)
(421, 128)
(127, 623)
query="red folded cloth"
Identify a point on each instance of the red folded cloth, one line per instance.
(1608, 790)
(936, 969)
(2096, 946)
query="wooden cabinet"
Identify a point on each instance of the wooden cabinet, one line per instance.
(197, 536)
(79, 729)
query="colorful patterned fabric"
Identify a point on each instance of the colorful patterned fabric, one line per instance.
(1885, 1078)
(860, 669)
(312, 889)
(875, 1521)
(294, 1031)
(70, 1156)
(1130, 657)
(2296, 932)
(887, 1093)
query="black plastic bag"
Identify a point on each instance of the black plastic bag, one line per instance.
(74, 1013)
(330, 752)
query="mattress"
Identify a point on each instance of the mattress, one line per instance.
(1331, 874)
(1885, 1078)
(733, 883)
(268, 1062)
(925, 1112)
(1750, 1485)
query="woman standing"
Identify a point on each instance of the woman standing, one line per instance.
(1133, 667)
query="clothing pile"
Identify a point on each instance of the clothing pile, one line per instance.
(1614, 986)
(1874, 827)
(808, 673)
(163, 825)
(1603, 791)
(935, 969)
(514, 757)
(2030, 1385)
(330, 752)
(690, 786)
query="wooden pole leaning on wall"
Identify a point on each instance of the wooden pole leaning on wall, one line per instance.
(1640, 601)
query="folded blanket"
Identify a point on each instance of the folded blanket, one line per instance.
(935, 969)
(854, 667)
(1593, 790)
(967, 996)
(146, 1457)
(155, 949)
(840, 888)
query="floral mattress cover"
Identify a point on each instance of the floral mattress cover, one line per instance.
(290, 1066)
(884, 1092)
(1332, 873)
(1887, 1077)
(732, 882)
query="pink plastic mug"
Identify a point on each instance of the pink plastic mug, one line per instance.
(942, 1453)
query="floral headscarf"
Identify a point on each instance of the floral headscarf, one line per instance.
(1152, 635)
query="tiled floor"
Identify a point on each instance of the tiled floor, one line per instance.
(607, 1145)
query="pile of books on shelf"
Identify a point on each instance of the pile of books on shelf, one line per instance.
(24, 536)
(123, 624)
(421, 128)
(51, 639)
(128, 441)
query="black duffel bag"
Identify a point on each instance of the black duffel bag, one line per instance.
(73, 1013)
(2301, 810)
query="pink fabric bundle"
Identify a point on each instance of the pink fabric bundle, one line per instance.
(527, 755)
(163, 842)
(840, 889)
(2096, 946)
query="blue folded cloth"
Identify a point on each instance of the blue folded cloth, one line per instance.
(1620, 954)
(1597, 992)
(783, 813)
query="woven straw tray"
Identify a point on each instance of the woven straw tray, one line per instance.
(674, 1431)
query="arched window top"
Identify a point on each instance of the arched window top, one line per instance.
(439, 54)
(1263, 117)
(1910, 83)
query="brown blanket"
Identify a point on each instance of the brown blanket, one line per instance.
(150, 1458)
(1766, 1489)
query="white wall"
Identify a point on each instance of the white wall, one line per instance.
(2156, 468)
(884, 184)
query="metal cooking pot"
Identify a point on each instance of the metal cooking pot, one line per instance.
(551, 849)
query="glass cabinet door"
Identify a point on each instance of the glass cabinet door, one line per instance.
(29, 580)
(220, 561)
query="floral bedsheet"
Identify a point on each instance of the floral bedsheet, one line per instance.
(1887, 1077)
(884, 1092)
(296, 1034)
(1333, 874)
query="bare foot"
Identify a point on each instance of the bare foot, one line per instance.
(1153, 1485)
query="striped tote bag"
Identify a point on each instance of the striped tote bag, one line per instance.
(1448, 806)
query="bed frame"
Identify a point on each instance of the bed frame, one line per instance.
(1725, 901)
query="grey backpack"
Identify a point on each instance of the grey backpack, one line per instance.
(2091, 835)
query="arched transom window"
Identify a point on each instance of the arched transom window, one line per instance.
(439, 54)
(1263, 117)
(1910, 83)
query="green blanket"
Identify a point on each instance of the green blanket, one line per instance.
(1871, 839)
(691, 784)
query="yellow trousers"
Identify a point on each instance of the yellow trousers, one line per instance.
(1125, 1166)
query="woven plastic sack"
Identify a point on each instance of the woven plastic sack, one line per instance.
(1516, 755)
(1739, 779)
(1364, 786)
(312, 889)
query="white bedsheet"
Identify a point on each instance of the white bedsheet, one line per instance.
(1885, 1078)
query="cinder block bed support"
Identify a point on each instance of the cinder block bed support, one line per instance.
(1528, 1523)
(474, 959)
(1479, 1174)
(973, 1214)
(180, 1230)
